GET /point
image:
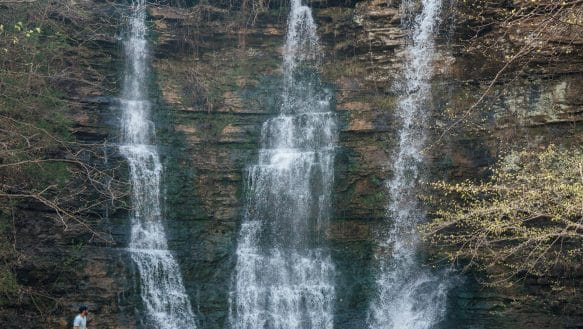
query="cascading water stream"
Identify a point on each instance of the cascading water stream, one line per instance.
(409, 295)
(162, 291)
(284, 274)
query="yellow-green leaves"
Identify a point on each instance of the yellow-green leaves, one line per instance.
(527, 218)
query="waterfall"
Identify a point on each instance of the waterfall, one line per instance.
(409, 295)
(162, 291)
(284, 274)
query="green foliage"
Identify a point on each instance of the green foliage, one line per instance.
(525, 220)
(75, 259)
(43, 64)
(48, 173)
(32, 52)
(9, 287)
(45, 51)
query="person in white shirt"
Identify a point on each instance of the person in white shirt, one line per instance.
(81, 319)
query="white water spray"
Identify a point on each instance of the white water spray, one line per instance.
(162, 291)
(284, 274)
(409, 296)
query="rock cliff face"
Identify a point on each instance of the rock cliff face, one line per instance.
(57, 266)
(217, 77)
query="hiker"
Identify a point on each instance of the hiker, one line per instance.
(81, 319)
